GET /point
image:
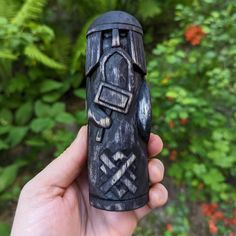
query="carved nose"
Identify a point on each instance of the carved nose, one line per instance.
(115, 38)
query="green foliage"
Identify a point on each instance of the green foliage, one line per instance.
(30, 10)
(5, 229)
(194, 89)
(34, 53)
(42, 92)
(8, 175)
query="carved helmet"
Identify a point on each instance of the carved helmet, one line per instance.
(115, 20)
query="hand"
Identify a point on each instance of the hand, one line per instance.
(56, 201)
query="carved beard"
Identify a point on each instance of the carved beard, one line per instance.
(117, 68)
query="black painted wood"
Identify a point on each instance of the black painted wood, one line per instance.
(119, 113)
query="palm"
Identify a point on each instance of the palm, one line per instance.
(56, 203)
(91, 220)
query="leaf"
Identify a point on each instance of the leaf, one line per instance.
(52, 97)
(213, 177)
(34, 53)
(183, 115)
(49, 85)
(24, 113)
(12, 194)
(35, 142)
(80, 47)
(81, 117)
(65, 118)
(4, 129)
(30, 10)
(42, 109)
(148, 8)
(6, 116)
(8, 9)
(5, 229)
(81, 93)
(6, 54)
(8, 174)
(3, 145)
(57, 108)
(41, 124)
(16, 135)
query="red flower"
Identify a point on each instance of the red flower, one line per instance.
(201, 186)
(169, 98)
(173, 155)
(218, 215)
(193, 34)
(171, 124)
(209, 209)
(169, 228)
(183, 121)
(212, 227)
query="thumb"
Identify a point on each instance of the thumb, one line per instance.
(63, 170)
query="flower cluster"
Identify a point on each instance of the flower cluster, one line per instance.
(193, 34)
(215, 215)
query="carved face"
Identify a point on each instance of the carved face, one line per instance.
(99, 42)
(115, 38)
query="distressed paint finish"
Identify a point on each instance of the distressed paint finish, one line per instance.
(119, 113)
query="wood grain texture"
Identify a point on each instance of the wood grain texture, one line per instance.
(119, 113)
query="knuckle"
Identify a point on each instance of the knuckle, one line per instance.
(26, 189)
(161, 166)
(163, 194)
(157, 170)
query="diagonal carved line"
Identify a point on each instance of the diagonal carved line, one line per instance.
(132, 188)
(119, 173)
(131, 174)
(119, 192)
(107, 161)
(124, 180)
(103, 169)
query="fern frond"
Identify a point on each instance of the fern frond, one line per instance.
(30, 10)
(6, 54)
(34, 53)
(80, 47)
(8, 8)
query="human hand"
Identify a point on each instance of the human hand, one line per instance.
(56, 201)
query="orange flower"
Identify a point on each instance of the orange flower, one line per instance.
(193, 34)
(209, 209)
(169, 98)
(218, 215)
(212, 227)
(201, 186)
(171, 124)
(173, 155)
(169, 228)
(183, 121)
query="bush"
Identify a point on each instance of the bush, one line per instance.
(194, 98)
(192, 76)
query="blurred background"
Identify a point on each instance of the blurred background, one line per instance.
(191, 58)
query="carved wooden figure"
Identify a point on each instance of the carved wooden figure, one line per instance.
(119, 113)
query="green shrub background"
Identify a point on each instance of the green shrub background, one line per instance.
(193, 86)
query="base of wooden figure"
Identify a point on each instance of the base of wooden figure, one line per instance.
(111, 205)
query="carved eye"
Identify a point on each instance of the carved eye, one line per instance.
(123, 33)
(107, 34)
